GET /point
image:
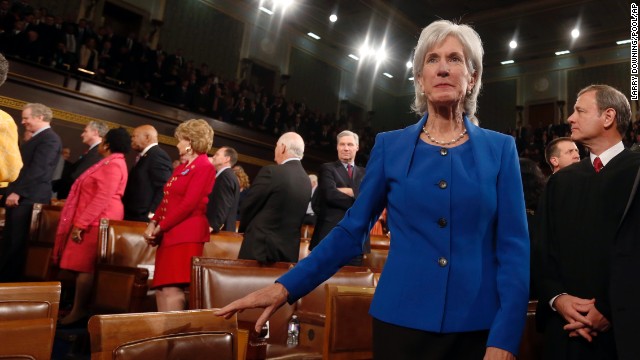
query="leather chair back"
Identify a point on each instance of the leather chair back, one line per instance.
(28, 315)
(217, 282)
(193, 334)
(42, 234)
(223, 245)
(122, 243)
(376, 259)
(27, 339)
(35, 300)
(311, 308)
(348, 330)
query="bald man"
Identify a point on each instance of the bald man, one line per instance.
(272, 212)
(147, 176)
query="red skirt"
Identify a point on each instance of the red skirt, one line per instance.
(173, 264)
(81, 257)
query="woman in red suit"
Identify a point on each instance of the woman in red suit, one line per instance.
(180, 226)
(96, 194)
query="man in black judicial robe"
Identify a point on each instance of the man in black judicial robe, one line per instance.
(624, 282)
(580, 212)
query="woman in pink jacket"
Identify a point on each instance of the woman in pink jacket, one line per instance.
(96, 194)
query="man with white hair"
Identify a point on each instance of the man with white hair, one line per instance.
(271, 215)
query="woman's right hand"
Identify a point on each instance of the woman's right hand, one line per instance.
(271, 298)
(149, 235)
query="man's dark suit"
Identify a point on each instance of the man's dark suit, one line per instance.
(575, 235)
(85, 161)
(271, 214)
(222, 209)
(40, 157)
(331, 204)
(144, 186)
(624, 283)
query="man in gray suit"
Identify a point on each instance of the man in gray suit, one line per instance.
(271, 215)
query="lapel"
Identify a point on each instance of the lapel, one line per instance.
(142, 159)
(342, 172)
(634, 190)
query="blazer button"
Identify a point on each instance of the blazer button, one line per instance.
(442, 184)
(442, 222)
(442, 262)
(444, 151)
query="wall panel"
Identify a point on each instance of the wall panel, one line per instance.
(314, 81)
(204, 35)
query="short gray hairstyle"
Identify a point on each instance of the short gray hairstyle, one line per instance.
(610, 97)
(40, 110)
(99, 126)
(4, 69)
(348, 133)
(435, 34)
(294, 143)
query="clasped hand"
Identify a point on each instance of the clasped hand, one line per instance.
(76, 235)
(151, 233)
(582, 316)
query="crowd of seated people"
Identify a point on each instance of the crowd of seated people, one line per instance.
(40, 37)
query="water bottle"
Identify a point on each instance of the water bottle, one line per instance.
(293, 331)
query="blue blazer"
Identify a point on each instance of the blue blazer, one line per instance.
(475, 280)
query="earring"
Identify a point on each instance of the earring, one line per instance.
(468, 92)
(422, 93)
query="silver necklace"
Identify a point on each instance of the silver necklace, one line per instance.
(426, 132)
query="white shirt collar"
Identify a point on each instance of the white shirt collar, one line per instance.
(40, 130)
(144, 151)
(290, 159)
(94, 145)
(221, 170)
(608, 154)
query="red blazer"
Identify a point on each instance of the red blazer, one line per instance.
(182, 213)
(101, 193)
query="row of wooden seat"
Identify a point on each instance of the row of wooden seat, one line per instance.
(28, 315)
(217, 282)
(44, 221)
(194, 334)
(125, 259)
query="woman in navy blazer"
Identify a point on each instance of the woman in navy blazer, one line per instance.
(456, 282)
